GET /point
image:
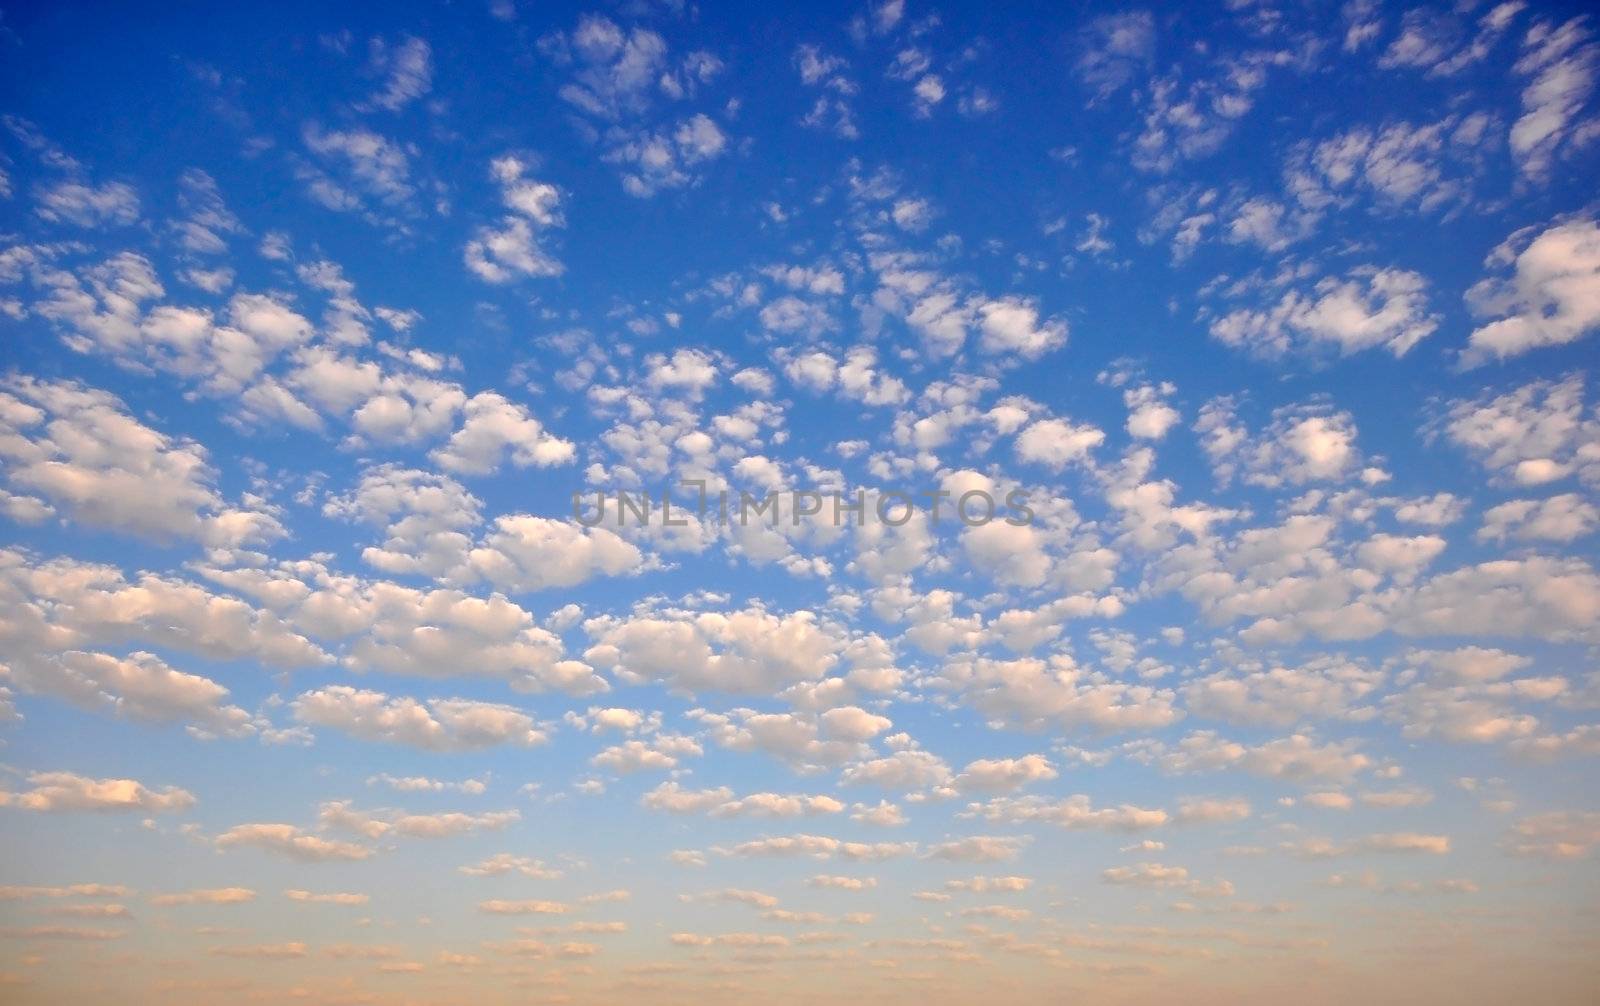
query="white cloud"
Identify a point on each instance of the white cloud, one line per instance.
(112, 204)
(1303, 443)
(980, 849)
(1563, 518)
(384, 626)
(288, 840)
(433, 725)
(1012, 325)
(745, 651)
(656, 755)
(1551, 299)
(1075, 813)
(55, 792)
(818, 847)
(1035, 693)
(1562, 62)
(516, 247)
(1369, 309)
(1147, 875)
(1535, 434)
(408, 72)
(371, 167)
(1004, 775)
(205, 896)
(494, 425)
(525, 553)
(78, 448)
(1056, 443)
(901, 770)
(1555, 835)
(1296, 758)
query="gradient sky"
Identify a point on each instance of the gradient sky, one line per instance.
(1280, 317)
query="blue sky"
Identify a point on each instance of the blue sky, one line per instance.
(1280, 318)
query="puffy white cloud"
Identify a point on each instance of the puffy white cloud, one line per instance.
(504, 863)
(737, 896)
(77, 447)
(777, 805)
(1075, 813)
(432, 725)
(430, 522)
(674, 799)
(263, 951)
(524, 907)
(1211, 810)
(858, 376)
(1562, 518)
(618, 75)
(1562, 62)
(658, 754)
(852, 723)
(883, 815)
(1302, 443)
(1282, 696)
(1149, 415)
(342, 898)
(58, 617)
(62, 603)
(53, 792)
(1034, 693)
(374, 171)
(407, 68)
(1552, 297)
(747, 651)
(112, 204)
(525, 553)
(1579, 742)
(1190, 120)
(668, 158)
(1535, 434)
(428, 519)
(340, 815)
(205, 896)
(1012, 325)
(818, 847)
(384, 626)
(288, 840)
(1146, 875)
(516, 247)
(140, 686)
(988, 885)
(1056, 443)
(1012, 554)
(1296, 758)
(743, 941)
(1004, 775)
(1555, 835)
(980, 849)
(492, 427)
(14, 893)
(832, 109)
(1389, 842)
(1112, 48)
(902, 770)
(942, 311)
(1429, 167)
(1538, 596)
(838, 883)
(803, 741)
(1369, 309)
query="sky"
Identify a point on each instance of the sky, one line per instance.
(1177, 445)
